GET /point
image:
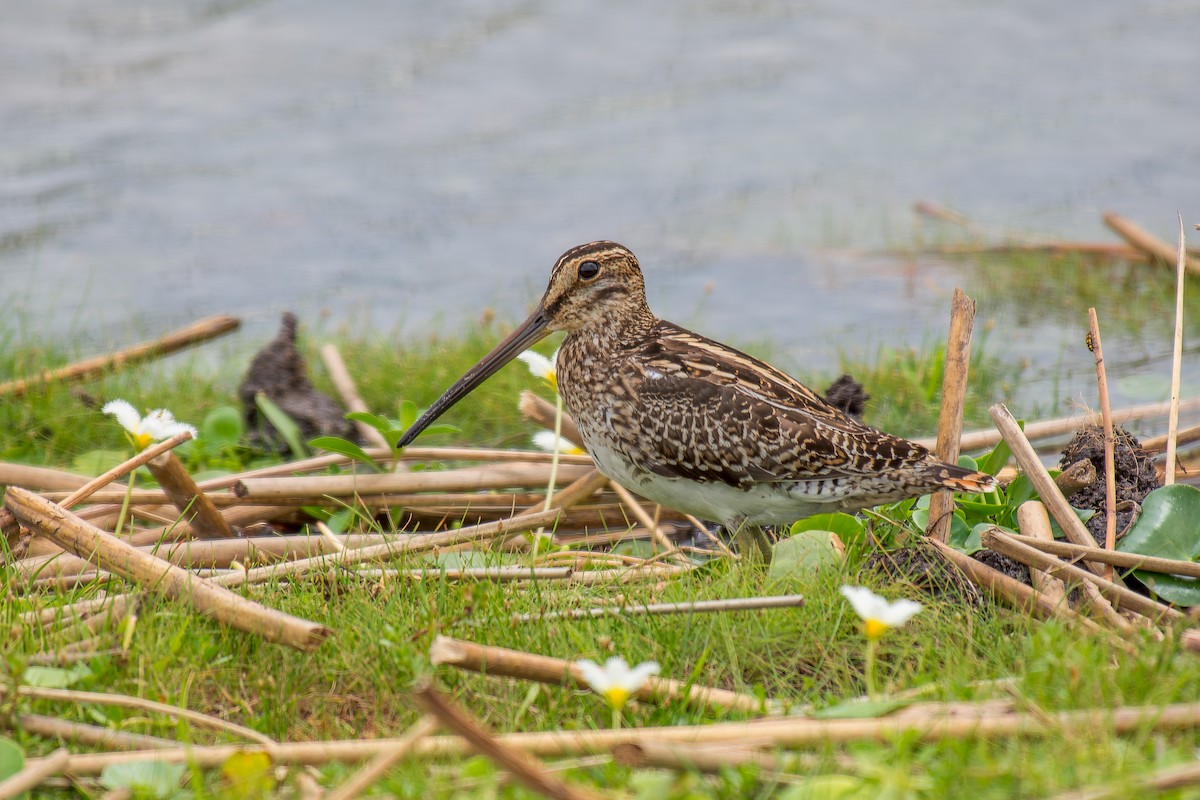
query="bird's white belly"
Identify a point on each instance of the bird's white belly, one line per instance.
(765, 503)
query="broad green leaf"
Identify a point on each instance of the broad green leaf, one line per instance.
(994, 461)
(55, 677)
(407, 413)
(12, 758)
(157, 779)
(846, 526)
(1169, 527)
(804, 553)
(827, 787)
(966, 537)
(286, 426)
(381, 424)
(336, 444)
(222, 427)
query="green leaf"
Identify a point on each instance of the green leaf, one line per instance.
(286, 426)
(222, 427)
(846, 526)
(381, 424)
(157, 779)
(1169, 527)
(826, 787)
(861, 709)
(55, 677)
(12, 758)
(336, 444)
(994, 461)
(804, 553)
(966, 537)
(407, 413)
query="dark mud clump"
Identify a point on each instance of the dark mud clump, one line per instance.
(927, 571)
(848, 395)
(281, 373)
(1133, 468)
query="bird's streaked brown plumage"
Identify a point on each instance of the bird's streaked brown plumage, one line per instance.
(694, 424)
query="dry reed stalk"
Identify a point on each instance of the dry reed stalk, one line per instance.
(193, 504)
(1034, 522)
(778, 732)
(39, 478)
(526, 769)
(492, 574)
(694, 607)
(126, 701)
(65, 658)
(1154, 248)
(558, 672)
(1010, 591)
(537, 410)
(1122, 598)
(950, 421)
(236, 516)
(1076, 477)
(377, 767)
(979, 440)
(203, 330)
(1162, 780)
(585, 486)
(631, 503)
(1158, 444)
(92, 735)
(1110, 459)
(706, 758)
(500, 476)
(491, 455)
(344, 384)
(1100, 249)
(35, 771)
(159, 577)
(1167, 566)
(620, 577)
(1055, 503)
(1176, 361)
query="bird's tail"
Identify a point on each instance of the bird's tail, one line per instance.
(960, 479)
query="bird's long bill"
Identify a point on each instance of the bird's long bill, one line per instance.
(530, 332)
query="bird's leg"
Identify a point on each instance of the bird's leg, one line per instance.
(752, 541)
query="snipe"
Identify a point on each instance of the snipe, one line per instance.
(693, 424)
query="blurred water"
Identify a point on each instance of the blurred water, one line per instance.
(408, 164)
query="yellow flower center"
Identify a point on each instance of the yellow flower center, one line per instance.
(141, 440)
(875, 628)
(617, 696)
(552, 379)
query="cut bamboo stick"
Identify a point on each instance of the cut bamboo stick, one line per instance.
(1110, 469)
(1137, 236)
(92, 735)
(954, 388)
(346, 389)
(1122, 598)
(201, 331)
(1176, 361)
(499, 476)
(158, 577)
(1012, 592)
(1167, 566)
(694, 607)
(537, 410)
(706, 758)
(1034, 522)
(1053, 499)
(526, 769)
(786, 732)
(556, 671)
(194, 504)
(39, 478)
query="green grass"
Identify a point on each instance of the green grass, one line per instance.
(355, 685)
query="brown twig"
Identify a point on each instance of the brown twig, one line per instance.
(91, 735)
(1055, 503)
(1122, 598)
(497, 476)
(377, 767)
(157, 576)
(556, 671)
(1075, 477)
(1110, 468)
(537, 410)
(1167, 566)
(772, 733)
(527, 770)
(346, 389)
(694, 607)
(1162, 780)
(194, 504)
(954, 388)
(1155, 249)
(1034, 522)
(195, 333)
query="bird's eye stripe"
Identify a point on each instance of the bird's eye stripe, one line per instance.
(588, 270)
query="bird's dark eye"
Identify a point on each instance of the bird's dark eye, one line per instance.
(588, 270)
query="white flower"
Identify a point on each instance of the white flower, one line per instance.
(159, 424)
(550, 443)
(615, 681)
(542, 367)
(878, 614)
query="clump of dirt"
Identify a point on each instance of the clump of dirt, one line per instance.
(928, 571)
(1133, 468)
(281, 373)
(848, 395)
